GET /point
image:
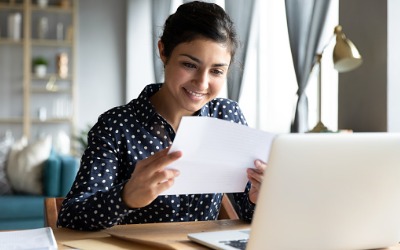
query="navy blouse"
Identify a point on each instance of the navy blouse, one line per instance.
(122, 136)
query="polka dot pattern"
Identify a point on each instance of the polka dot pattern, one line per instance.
(122, 136)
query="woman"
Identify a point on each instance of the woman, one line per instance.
(123, 169)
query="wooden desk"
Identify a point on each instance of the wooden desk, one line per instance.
(143, 236)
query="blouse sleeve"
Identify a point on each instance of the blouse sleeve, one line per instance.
(94, 201)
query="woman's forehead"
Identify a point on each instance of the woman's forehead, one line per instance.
(200, 48)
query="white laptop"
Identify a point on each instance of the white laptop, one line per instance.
(324, 191)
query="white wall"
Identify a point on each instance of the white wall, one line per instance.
(139, 52)
(101, 58)
(393, 66)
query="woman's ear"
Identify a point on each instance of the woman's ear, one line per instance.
(161, 52)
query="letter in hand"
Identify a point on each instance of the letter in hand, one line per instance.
(150, 178)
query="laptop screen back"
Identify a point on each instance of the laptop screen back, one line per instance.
(330, 191)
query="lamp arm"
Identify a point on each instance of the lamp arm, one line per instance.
(319, 86)
(319, 55)
(327, 44)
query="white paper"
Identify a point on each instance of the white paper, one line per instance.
(37, 239)
(215, 155)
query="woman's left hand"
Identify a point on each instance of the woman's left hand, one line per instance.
(256, 176)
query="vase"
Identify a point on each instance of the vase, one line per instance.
(43, 28)
(14, 26)
(40, 70)
(42, 3)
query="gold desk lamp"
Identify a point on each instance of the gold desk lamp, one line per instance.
(345, 58)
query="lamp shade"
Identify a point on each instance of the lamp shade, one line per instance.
(345, 54)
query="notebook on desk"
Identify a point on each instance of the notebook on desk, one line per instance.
(325, 191)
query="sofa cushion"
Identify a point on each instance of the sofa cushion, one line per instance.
(5, 145)
(21, 207)
(52, 175)
(19, 224)
(25, 165)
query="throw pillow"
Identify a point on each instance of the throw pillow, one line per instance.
(5, 145)
(25, 165)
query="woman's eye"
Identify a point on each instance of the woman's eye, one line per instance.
(217, 72)
(189, 65)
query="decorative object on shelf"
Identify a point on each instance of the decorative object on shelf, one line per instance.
(42, 113)
(42, 3)
(345, 58)
(65, 4)
(14, 26)
(62, 108)
(51, 84)
(43, 27)
(40, 66)
(60, 31)
(62, 65)
(70, 34)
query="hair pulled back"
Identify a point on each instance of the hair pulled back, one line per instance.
(197, 19)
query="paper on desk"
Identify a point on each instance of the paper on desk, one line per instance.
(40, 239)
(215, 155)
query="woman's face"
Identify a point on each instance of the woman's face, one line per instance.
(194, 74)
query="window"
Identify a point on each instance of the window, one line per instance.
(268, 98)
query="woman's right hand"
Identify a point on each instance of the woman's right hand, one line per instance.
(150, 178)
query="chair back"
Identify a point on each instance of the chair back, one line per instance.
(52, 206)
(227, 211)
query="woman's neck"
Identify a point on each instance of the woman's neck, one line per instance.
(167, 108)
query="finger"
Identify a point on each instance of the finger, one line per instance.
(161, 187)
(255, 184)
(155, 157)
(260, 165)
(255, 175)
(160, 161)
(165, 175)
(167, 180)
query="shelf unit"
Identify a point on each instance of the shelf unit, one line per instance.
(23, 93)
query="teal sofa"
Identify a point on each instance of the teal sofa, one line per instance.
(23, 211)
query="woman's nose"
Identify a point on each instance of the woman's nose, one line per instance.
(202, 79)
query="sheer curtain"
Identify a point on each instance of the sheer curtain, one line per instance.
(241, 12)
(160, 10)
(305, 20)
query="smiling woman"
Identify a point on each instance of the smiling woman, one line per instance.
(123, 169)
(194, 75)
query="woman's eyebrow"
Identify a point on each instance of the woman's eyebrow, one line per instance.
(200, 62)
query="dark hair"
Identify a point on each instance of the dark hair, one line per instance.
(197, 19)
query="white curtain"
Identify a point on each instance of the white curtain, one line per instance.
(305, 20)
(241, 12)
(160, 10)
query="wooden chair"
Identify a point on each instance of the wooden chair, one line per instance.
(53, 205)
(227, 211)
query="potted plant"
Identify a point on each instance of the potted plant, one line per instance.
(81, 140)
(40, 66)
